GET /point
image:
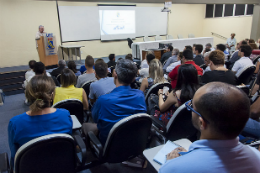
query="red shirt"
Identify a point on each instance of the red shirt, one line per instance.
(174, 73)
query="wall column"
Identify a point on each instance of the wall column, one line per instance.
(255, 30)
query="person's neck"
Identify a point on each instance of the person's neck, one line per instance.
(197, 53)
(220, 68)
(213, 137)
(98, 78)
(41, 112)
(90, 70)
(187, 61)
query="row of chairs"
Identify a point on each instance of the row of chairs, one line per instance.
(168, 37)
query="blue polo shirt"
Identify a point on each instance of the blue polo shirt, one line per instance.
(111, 108)
(215, 156)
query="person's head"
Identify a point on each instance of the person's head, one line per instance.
(39, 92)
(198, 49)
(246, 40)
(99, 60)
(72, 66)
(187, 47)
(206, 58)
(207, 50)
(41, 29)
(62, 63)
(129, 57)
(241, 43)
(216, 59)
(180, 56)
(67, 78)
(187, 55)
(112, 57)
(221, 47)
(208, 46)
(125, 72)
(119, 59)
(101, 69)
(170, 48)
(39, 68)
(89, 62)
(31, 64)
(149, 58)
(148, 53)
(193, 48)
(245, 50)
(225, 110)
(251, 41)
(175, 52)
(156, 71)
(233, 35)
(187, 81)
(253, 46)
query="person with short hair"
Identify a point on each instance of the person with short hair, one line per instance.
(144, 63)
(103, 85)
(234, 57)
(39, 34)
(222, 48)
(167, 54)
(220, 112)
(244, 61)
(129, 57)
(187, 59)
(188, 47)
(206, 62)
(218, 73)
(41, 119)
(72, 66)
(68, 90)
(89, 75)
(112, 60)
(209, 46)
(173, 65)
(120, 103)
(30, 72)
(231, 43)
(172, 59)
(199, 59)
(144, 72)
(57, 71)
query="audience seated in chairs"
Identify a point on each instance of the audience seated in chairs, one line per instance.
(68, 90)
(217, 70)
(220, 119)
(222, 48)
(173, 65)
(187, 59)
(167, 54)
(144, 72)
(206, 61)
(187, 85)
(112, 60)
(120, 103)
(104, 85)
(89, 75)
(155, 75)
(172, 59)
(72, 67)
(244, 61)
(41, 119)
(62, 65)
(199, 59)
(144, 63)
(234, 57)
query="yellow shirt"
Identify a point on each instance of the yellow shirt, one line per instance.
(70, 92)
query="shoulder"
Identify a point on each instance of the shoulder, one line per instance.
(17, 118)
(62, 111)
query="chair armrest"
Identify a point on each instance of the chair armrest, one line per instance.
(95, 144)
(159, 124)
(83, 149)
(4, 163)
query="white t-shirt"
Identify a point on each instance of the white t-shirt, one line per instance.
(172, 66)
(232, 42)
(28, 74)
(38, 35)
(144, 72)
(144, 64)
(30, 77)
(241, 64)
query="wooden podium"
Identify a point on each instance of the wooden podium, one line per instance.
(47, 60)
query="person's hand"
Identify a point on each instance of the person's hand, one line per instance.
(175, 153)
(167, 94)
(160, 92)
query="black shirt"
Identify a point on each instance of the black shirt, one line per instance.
(57, 71)
(111, 63)
(220, 76)
(199, 60)
(166, 56)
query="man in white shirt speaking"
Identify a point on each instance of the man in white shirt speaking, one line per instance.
(39, 34)
(231, 43)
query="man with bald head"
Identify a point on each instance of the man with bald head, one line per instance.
(39, 34)
(220, 120)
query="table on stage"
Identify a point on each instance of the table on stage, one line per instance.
(70, 47)
(138, 47)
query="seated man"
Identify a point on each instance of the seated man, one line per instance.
(112, 60)
(172, 59)
(120, 103)
(206, 62)
(104, 85)
(89, 75)
(167, 54)
(218, 72)
(58, 71)
(220, 119)
(199, 59)
(187, 59)
(173, 65)
(234, 57)
(30, 72)
(222, 48)
(145, 71)
(244, 61)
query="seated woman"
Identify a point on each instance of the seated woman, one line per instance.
(68, 90)
(41, 119)
(218, 71)
(72, 66)
(187, 85)
(155, 75)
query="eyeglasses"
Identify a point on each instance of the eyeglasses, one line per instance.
(189, 107)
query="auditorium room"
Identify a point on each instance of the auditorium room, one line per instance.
(136, 86)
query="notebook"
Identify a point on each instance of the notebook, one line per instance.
(160, 157)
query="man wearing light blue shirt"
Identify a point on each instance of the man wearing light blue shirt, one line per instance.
(220, 119)
(231, 43)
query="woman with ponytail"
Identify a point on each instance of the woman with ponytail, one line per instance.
(41, 119)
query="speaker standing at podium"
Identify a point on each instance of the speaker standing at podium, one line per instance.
(39, 34)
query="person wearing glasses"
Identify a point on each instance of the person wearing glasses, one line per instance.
(220, 120)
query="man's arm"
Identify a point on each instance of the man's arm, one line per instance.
(92, 97)
(168, 62)
(95, 110)
(255, 110)
(235, 67)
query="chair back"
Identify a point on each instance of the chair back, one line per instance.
(157, 37)
(58, 78)
(74, 106)
(256, 60)
(146, 39)
(244, 88)
(130, 41)
(154, 89)
(180, 36)
(169, 37)
(86, 87)
(180, 125)
(191, 36)
(246, 74)
(51, 153)
(127, 138)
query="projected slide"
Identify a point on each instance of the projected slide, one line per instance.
(117, 24)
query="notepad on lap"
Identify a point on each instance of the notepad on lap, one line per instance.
(160, 157)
